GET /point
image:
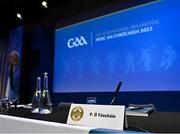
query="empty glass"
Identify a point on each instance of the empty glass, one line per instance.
(4, 105)
(91, 100)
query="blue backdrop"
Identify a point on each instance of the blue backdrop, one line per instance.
(14, 54)
(139, 46)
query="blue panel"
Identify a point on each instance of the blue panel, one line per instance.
(139, 46)
(14, 56)
(111, 131)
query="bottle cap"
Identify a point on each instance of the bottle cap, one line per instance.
(46, 73)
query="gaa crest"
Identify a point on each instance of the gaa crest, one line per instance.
(77, 113)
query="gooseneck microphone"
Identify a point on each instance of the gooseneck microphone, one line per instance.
(116, 92)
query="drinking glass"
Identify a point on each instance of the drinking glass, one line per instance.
(4, 105)
(91, 100)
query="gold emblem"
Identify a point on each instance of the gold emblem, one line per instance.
(77, 113)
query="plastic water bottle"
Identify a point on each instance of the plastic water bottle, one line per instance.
(46, 104)
(36, 97)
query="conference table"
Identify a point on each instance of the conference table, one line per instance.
(21, 120)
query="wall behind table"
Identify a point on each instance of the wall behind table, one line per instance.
(14, 51)
(38, 45)
(164, 101)
(10, 49)
(37, 56)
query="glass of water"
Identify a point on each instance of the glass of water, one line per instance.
(4, 105)
(91, 100)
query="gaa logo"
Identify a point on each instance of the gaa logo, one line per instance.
(77, 113)
(76, 42)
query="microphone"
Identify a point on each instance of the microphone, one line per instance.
(116, 93)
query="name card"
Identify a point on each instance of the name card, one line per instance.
(99, 116)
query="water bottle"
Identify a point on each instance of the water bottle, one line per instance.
(36, 97)
(46, 104)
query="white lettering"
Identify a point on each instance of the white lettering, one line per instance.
(76, 42)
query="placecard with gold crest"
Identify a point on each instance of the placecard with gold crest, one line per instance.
(98, 116)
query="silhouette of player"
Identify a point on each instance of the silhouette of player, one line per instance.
(169, 57)
(130, 63)
(146, 58)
